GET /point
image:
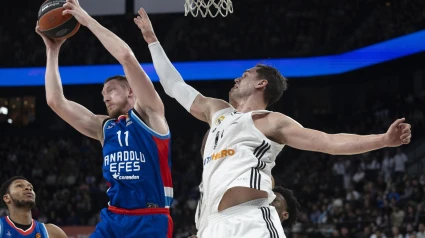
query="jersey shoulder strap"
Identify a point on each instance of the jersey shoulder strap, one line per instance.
(138, 120)
(43, 230)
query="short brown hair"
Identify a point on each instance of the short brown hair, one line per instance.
(277, 84)
(120, 78)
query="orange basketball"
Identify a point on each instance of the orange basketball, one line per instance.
(55, 25)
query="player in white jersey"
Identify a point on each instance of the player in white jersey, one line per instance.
(244, 141)
(285, 203)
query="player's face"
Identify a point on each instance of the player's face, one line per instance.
(21, 194)
(280, 204)
(244, 85)
(115, 95)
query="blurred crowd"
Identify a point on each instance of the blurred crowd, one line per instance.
(279, 29)
(368, 195)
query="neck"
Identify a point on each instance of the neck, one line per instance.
(250, 104)
(128, 106)
(21, 216)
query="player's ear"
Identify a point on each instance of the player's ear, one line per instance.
(130, 92)
(285, 215)
(6, 198)
(262, 83)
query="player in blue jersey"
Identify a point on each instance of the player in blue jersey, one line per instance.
(18, 196)
(135, 138)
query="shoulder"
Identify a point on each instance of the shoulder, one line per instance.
(103, 118)
(212, 106)
(54, 231)
(223, 112)
(278, 120)
(276, 126)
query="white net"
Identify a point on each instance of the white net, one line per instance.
(208, 7)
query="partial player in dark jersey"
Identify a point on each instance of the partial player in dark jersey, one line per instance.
(19, 197)
(135, 138)
(286, 205)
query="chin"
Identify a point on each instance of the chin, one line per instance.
(115, 114)
(29, 204)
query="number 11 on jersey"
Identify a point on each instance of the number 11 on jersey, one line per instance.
(119, 137)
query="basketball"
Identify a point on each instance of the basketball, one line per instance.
(55, 25)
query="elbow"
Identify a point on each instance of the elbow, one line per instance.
(126, 55)
(53, 101)
(172, 84)
(332, 151)
(168, 90)
(332, 145)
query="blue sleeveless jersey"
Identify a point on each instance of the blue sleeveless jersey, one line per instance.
(9, 230)
(136, 164)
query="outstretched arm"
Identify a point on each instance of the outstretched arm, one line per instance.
(288, 131)
(73, 113)
(148, 104)
(199, 106)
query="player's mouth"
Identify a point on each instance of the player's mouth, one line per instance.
(31, 195)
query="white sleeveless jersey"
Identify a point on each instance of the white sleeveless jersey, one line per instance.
(236, 154)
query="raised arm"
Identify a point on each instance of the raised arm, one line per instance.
(148, 103)
(199, 106)
(288, 131)
(73, 113)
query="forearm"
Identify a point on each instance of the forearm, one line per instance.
(349, 144)
(116, 47)
(54, 91)
(170, 78)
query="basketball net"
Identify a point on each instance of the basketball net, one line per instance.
(208, 7)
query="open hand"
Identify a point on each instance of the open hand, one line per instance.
(145, 25)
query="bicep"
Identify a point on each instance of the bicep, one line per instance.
(204, 107)
(296, 136)
(79, 117)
